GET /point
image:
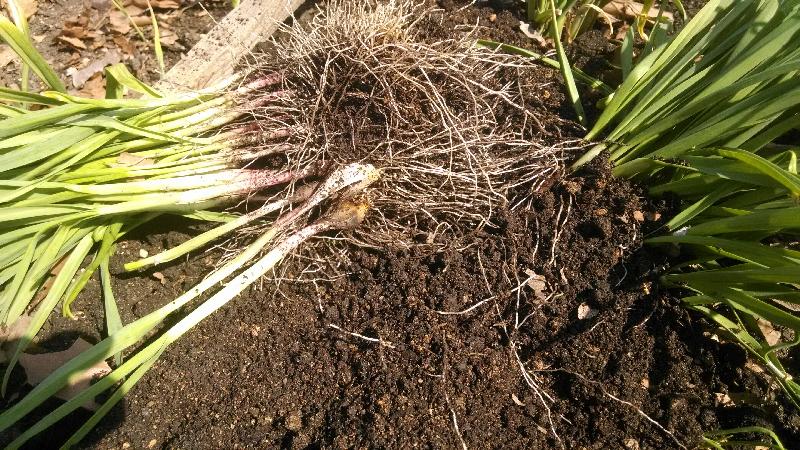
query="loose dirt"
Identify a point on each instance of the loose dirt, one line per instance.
(493, 343)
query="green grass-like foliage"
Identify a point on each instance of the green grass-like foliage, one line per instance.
(77, 174)
(739, 210)
(575, 17)
(66, 194)
(722, 439)
(728, 79)
(698, 117)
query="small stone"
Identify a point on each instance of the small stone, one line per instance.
(600, 212)
(722, 399)
(631, 444)
(152, 443)
(638, 216)
(493, 18)
(653, 216)
(126, 445)
(293, 422)
(160, 277)
(143, 253)
(645, 383)
(537, 283)
(752, 365)
(586, 312)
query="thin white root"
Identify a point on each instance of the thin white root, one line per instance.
(361, 336)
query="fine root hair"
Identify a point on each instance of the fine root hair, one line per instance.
(446, 121)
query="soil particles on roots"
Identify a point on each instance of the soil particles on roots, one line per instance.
(547, 331)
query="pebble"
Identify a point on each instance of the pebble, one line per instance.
(631, 444)
(293, 422)
(143, 253)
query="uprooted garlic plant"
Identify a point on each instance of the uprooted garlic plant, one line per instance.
(352, 123)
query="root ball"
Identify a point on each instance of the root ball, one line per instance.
(446, 121)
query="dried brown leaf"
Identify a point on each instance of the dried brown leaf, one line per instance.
(142, 21)
(170, 40)
(40, 366)
(119, 22)
(81, 76)
(126, 159)
(158, 4)
(14, 331)
(28, 7)
(6, 55)
(74, 42)
(772, 335)
(74, 31)
(134, 10)
(124, 44)
(95, 87)
(534, 34)
(628, 10)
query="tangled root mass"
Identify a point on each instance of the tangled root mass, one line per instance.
(446, 121)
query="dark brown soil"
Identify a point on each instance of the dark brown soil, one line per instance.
(587, 353)
(271, 370)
